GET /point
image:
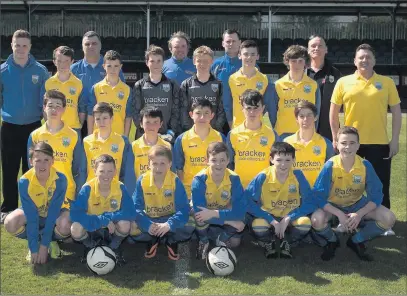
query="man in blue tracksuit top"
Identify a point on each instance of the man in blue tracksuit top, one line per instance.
(179, 67)
(21, 110)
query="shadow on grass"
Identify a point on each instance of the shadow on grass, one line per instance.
(253, 268)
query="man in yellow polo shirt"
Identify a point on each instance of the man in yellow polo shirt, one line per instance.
(365, 97)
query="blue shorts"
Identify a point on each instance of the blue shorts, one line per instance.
(353, 208)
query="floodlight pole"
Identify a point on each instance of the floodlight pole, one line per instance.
(269, 37)
(148, 26)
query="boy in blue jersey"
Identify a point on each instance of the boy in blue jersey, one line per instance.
(280, 200)
(162, 206)
(340, 189)
(218, 202)
(42, 192)
(103, 209)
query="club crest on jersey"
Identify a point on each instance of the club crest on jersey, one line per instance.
(378, 85)
(167, 193)
(259, 85)
(120, 95)
(316, 150)
(331, 79)
(292, 188)
(357, 179)
(214, 87)
(166, 87)
(263, 141)
(66, 141)
(224, 195)
(35, 79)
(113, 204)
(50, 192)
(307, 88)
(114, 148)
(72, 90)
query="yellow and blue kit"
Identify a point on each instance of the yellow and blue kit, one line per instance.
(153, 203)
(140, 151)
(233, 90)
(269, 199)
(39, 202)
(190, 153)
(250, 149)
(118, 97)
(76, 98)
(311, 157)
(69, 157)
(93, 211)
(343, 189)
(365, 104)
(286, 96)
(118, 147)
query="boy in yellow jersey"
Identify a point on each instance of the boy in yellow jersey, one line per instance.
(113, 91)
(70, 86)
(250, 143)
(42, 192)
(311, 149)
(105, 141)
(292, 88)
(151, 120)
(162, 206)
(247, 77)
(190, 147)
(218, 201)
(69, 157)
(102, 212)
(340, 190)
(280, 199)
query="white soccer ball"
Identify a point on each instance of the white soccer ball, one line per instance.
(221, 261)
(101, 260)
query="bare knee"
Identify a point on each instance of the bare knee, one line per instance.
(14, 221)
(319, 219)
(77, 230)
(123, 226)
(64, 224)
(388, 219)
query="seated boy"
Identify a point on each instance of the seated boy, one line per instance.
(190, 147)
(280, 200)
(42, 192)
(311, 149)
(218, 201)
(340, 189)
(162, 206)
(151, 120)
(250, 142)
(105, 141)
(103, 209)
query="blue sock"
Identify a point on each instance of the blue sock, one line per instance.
(327, 233)
(368, 232)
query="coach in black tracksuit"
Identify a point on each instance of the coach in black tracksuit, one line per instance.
(326, 75)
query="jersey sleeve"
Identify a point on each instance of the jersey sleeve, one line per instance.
(121, 75)
(337, 94)
(322, 185)
(83, 100)
(374, 187)
(394, 97)
(127, 174)
(137, 103)
(91, 100)
(198, 190)
(127, 210)
(30, 143)
(31, 215)
(179, 157)
(271, 101)
(129, 104)
(185, 120)
(253, 193)
(181, 216)
(228, 101)
(79, 208)
(238, 200)
(54, 210)
(308, 204)
(44, 77)
(138, 200)
(231, 151)
(220, 112)
(174, 123)
(79, 165)
(329, 149)
(317, 104)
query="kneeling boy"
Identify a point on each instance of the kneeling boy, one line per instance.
(218, 201)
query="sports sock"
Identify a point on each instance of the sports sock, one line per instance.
(371, 230)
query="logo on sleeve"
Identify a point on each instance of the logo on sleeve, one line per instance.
(166, 87)
(292, 188)
(316, 150)
(259, 85)
(224, 195)
(66, 141)
(35, 79)
(214, 87)
(113, 204)
(357, 179)
(378, 85)
(72, 90)
(120, 95)
(263, 141)
(307, 89)
(114, 148)
(167, 193)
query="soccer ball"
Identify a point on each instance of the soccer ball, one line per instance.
(221, 261)
(101, 260)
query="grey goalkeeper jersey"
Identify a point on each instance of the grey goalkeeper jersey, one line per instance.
(165, 96)
(193, 89)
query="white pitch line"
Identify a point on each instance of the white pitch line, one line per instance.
(180, 276)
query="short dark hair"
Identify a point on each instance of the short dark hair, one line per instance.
(365, 46)
(91, 34)
(216, 148)
(160, 150)
(248, 44)
(348, 130)
(230, 32)
(103, 107)
(316, 36)
(201, 102)
(181, 35)
(304, 104)
(151, 111)
(296, 52)
(21, 34)
(112, 55)
(54, 94)
(154, 50)
(282, 148)
(251, 97)
(64, 50)
(104, 158)
(41, 147)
